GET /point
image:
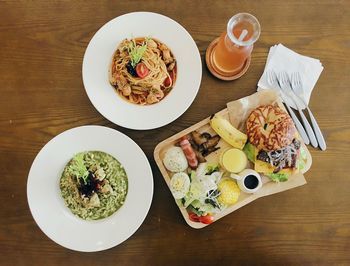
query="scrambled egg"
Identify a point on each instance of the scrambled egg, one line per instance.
(229, 192)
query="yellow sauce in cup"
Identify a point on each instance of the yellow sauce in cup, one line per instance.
(233, 160)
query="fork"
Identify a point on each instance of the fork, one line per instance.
(285, 85)
(297, 88)
(273, 82)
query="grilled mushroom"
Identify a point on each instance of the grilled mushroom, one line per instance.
(198, 138)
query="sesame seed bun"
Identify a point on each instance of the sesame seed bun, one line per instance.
(270, 128)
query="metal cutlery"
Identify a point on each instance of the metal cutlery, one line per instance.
(273, 82)
(284, 82)
(297, 88)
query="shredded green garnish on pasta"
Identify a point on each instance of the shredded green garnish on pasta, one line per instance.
(78, 168)
(136, 52)
(104, 200)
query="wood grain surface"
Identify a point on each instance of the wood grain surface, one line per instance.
(42, 94)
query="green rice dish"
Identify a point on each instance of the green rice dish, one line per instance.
(94, 185)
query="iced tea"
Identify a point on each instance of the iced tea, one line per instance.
(236, 44)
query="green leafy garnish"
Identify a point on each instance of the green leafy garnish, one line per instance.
(249, 150)
(136, 51)
(211, 168)
(278, 177)
(197, 211)
(77, 167)
(301, 163)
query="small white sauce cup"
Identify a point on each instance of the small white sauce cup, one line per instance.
(241, 178)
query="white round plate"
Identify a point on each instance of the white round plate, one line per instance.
(98, 57)
(48, 208)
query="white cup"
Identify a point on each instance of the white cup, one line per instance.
(249, 181)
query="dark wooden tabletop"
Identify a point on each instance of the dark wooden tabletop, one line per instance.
(42, 94)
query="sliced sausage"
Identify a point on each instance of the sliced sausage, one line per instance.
(189, 153)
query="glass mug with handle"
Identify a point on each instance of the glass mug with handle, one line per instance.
(236, 44)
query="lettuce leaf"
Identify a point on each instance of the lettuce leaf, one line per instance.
(278, 177)
(203, 208)
(195, 191)
(194, 210)
(249, 150)
(211, 168)
(302, 159)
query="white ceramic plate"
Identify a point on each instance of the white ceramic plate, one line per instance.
(47, 205)
(98, 57)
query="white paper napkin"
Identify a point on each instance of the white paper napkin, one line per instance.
(280, 58)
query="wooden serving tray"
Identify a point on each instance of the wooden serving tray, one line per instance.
(269, 187)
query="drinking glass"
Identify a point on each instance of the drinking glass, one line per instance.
(236, 43)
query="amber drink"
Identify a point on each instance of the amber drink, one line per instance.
(236, 44)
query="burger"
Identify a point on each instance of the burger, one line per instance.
(274, 145)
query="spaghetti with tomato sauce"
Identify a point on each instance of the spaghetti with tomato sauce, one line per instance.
(143, 70)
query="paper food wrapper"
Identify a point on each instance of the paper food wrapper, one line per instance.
(239, 111)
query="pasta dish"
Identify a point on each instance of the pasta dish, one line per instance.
(143, 70)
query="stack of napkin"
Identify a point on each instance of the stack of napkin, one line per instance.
(281, 58)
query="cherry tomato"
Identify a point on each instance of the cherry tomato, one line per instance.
(207, 219)
(193, 217)
(169, 80)
(141, 70)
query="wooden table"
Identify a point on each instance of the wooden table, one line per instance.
(42, 94)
